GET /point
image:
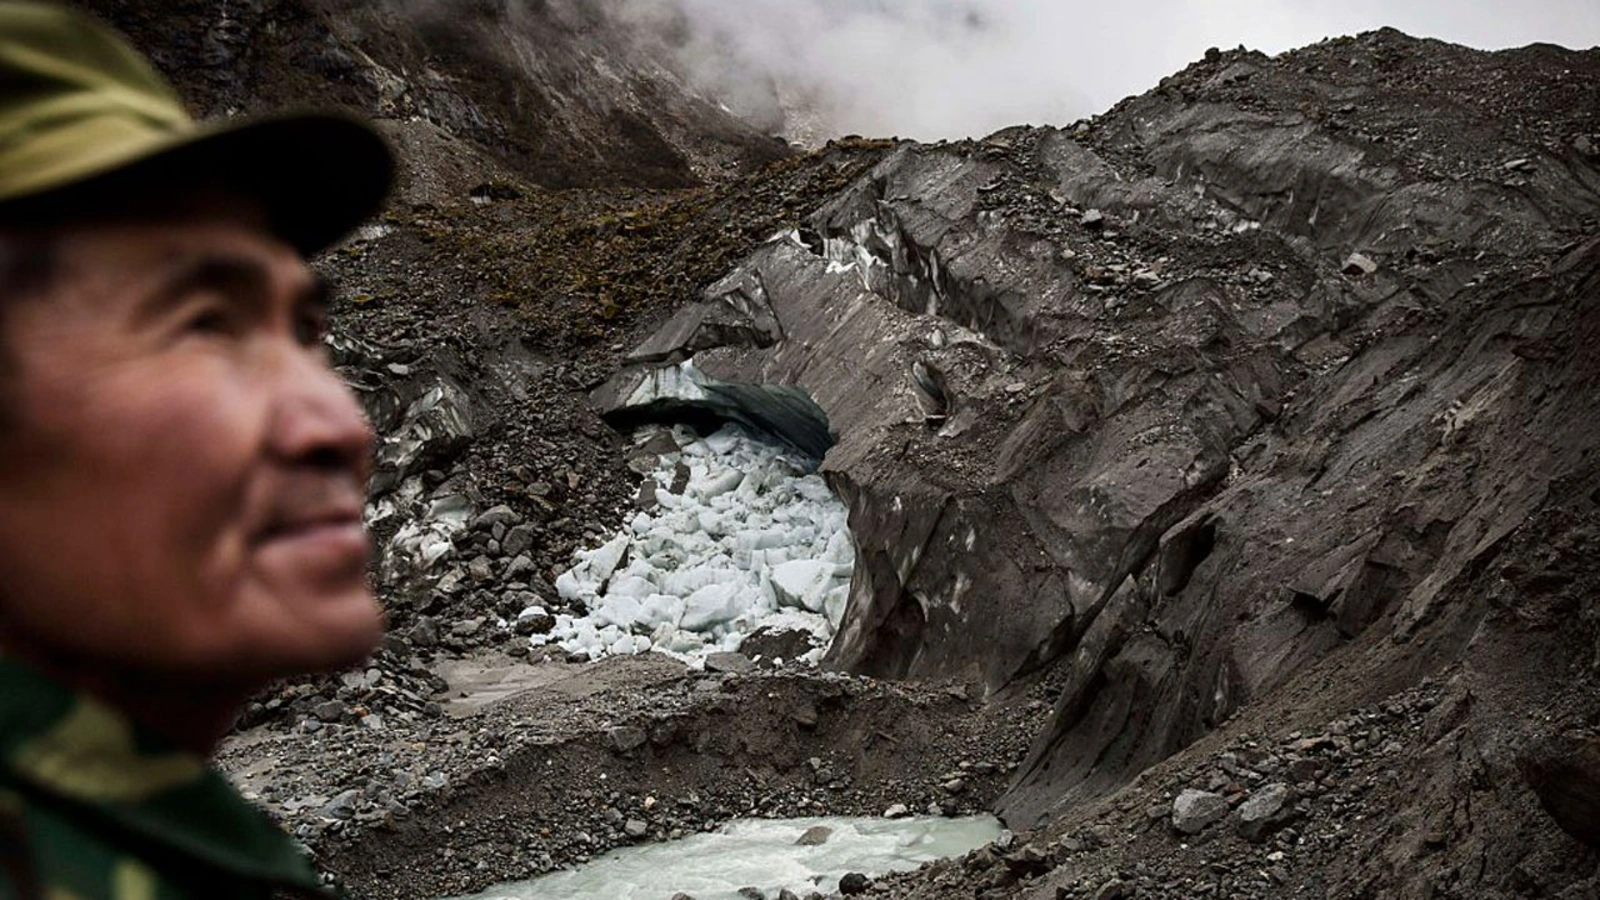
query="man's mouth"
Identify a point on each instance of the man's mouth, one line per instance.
(329, 524)
(324, 538)
(324, 548)
(313, 528)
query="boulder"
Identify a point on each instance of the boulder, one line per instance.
(627, 739)
(854, 884)
(518, 540)
(497, 515)
(425, 633)
(1564, 773)
(815, 836)
(1268, 810)
(777, 643)
(1195, 811)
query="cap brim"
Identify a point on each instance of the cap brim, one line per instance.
(316, 175)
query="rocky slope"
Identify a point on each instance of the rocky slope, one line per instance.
(1236, 447)
(1279, 370)
(559, 94)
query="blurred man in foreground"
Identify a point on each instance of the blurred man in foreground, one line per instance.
(181, 473)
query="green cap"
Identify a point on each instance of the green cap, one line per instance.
(82, 114)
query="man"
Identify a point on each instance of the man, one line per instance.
(181, 473)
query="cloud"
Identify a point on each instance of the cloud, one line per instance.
(918, 68)
(952, 68)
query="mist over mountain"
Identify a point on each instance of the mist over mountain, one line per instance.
(940, 69)
(965, 68)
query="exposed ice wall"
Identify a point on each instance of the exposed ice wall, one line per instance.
(750, 538)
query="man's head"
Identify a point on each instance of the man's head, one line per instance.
(181, 473)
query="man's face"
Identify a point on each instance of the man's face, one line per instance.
(181, 474)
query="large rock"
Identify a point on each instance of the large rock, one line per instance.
(1564, 773)
(1268, 810)
(425, 414)
(1195, 811)
(815, 836)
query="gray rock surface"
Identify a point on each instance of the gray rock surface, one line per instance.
(854, 883)
(1211, 479)
(1195, 811)
(1565, 774)
(1267, 811)
(815, 836)
(561, 95)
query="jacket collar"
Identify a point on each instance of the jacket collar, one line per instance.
(79, 751)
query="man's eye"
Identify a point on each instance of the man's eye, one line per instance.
(210, 320)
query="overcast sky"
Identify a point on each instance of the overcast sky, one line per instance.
(950, 68)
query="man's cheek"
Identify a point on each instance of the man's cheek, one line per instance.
(193, 450)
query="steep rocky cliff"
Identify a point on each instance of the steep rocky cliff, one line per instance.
(558, 93)
(1281, 370)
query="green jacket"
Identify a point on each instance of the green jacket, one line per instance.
(94, 808)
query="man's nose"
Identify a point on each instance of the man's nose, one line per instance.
(316, 418)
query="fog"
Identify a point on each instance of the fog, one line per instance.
(932, 69)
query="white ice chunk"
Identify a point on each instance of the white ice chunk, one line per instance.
(569, 586)
(630, 586)
(726, 441)
(434, 547)
(603, 562)
(766, 539)
(712, 605)
(661, 609)
(803, 583)
(841, 550)
(753, 541)
(834, 604)
(619, 612)
(722, 483)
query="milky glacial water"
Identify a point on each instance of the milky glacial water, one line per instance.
(759, 853)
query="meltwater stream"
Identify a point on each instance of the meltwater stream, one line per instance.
(766, 854)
